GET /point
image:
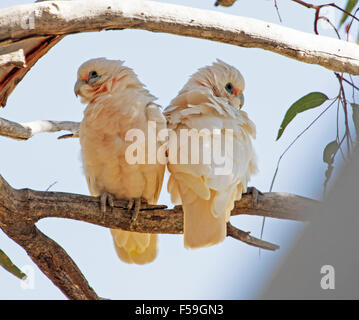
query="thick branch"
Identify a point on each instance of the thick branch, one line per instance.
(34, 48)
(46, 253)
(35, 205)
(66, 17)
(24, 131)
(21, 209)
(53, 260)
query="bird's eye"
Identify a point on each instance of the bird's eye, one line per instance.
(93, 76)
(229, 88)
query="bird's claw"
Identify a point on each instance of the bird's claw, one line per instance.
(106, 199)
(134, 205)
(255, 194)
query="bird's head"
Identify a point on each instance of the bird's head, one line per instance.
(225, 82)
(97, 77)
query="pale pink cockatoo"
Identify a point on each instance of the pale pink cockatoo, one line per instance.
(210, 102)
(118, 102)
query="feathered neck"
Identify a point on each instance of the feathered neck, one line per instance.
(120, 82)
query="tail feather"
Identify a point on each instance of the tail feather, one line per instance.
(134, 247)
(201, 228)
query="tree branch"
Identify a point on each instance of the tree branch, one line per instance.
(46, 253)
(317, 9)
(245, 237)
(24, 131)
(67, 17)
(34, 48)
(21, 209)
(21, 47)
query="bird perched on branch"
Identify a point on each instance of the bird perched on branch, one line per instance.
(222, 160)
(118, 103)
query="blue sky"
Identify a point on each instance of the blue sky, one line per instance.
(163, 62)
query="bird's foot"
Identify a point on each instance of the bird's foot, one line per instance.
(106, 199)
(255, 194)
(134, 205)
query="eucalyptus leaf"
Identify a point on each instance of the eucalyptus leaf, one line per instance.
(328, 157)
(309, 101)
(348, 8)
(329, 151)
(7, 264)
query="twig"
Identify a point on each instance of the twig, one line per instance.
(317, 11)
(277, 9)
(291, 144)
(286, 150)
(24, 131)
(344, 102)
(351, 83)
(348, 27)
(51, 185)
(331, 24)
(245, 237)
(337, 136)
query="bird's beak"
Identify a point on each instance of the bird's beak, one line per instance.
(78, 85)
(241, 100)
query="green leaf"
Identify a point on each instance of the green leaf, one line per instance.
(311, 100)
(356, 119)
(6, 263)
(349, 8)
(329, 151)
(328, 157)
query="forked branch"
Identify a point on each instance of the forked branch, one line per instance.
(21, 209)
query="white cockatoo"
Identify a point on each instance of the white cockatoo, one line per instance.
(210, 103)
(118, 102)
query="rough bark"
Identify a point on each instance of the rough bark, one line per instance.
(34, 48)
(46, 253)
(21, 209)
